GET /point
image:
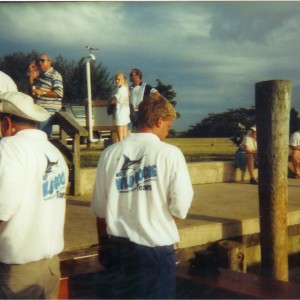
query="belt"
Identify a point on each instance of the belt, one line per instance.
(118, 239)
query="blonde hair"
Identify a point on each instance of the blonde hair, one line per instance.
(155, 106)
(124, 77)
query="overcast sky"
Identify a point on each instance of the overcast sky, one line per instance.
(212, 53)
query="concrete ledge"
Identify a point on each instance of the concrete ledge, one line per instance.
(200, 172)
(215, 172)
(194, 232)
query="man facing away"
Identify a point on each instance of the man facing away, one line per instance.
(47, 89)
(33, 180)
(142, 184)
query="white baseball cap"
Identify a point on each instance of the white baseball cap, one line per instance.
(22, 105)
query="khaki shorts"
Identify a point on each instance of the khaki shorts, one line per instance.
(35, 280)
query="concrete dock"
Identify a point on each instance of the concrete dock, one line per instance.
(225, 207)
(219, 211)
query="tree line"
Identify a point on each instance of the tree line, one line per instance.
(232, 123)
(74, 77)
(225, 124)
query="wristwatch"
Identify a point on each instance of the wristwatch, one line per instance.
(44, 93)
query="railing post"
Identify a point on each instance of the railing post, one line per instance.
(76, 165)
(272, 100)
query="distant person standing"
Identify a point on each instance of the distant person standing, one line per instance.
(142, 185)
(138, 91)
(33, 181)
(47, 90)
(295, 152)
(7, 84)
(121, 100)
(246, 154)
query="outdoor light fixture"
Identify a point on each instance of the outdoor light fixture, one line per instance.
(89, 58)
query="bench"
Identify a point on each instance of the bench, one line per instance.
(223, 284)
(74, 267)
(243, 285)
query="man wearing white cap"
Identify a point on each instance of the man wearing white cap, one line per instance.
(33, 180)
(249, 145)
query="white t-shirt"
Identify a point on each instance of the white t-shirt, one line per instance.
(7, 84)
(122, 112)
(137, 94)
(250, 142)
(141, 184)
(33, 180)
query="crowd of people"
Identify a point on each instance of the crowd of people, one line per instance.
(142, 185)
(246, 154)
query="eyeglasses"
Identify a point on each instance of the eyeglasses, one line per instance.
(43, 60)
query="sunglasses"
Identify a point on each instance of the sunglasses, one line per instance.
(42, 60)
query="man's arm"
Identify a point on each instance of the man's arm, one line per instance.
(102, 237)
(101, 230)
(181, 189)
(45, 93)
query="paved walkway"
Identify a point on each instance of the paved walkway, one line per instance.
(218, 211)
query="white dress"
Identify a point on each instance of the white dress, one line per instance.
(122, 110)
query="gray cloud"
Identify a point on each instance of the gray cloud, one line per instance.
(212, 53)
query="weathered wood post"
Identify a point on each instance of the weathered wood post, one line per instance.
(272, 101)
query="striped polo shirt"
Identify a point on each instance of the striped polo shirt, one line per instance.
(50, 80)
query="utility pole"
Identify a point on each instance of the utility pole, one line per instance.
(273, 101)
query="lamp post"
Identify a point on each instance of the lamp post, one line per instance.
(89, 117)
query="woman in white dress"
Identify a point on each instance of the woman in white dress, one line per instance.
(121, 99)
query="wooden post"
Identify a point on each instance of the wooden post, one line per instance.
(231, 256)
(272, 101)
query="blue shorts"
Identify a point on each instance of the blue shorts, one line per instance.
(140, 272)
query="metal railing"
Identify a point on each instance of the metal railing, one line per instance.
(71, 135)
(68, 127)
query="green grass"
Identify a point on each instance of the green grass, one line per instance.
(204, 149)
(194, 149)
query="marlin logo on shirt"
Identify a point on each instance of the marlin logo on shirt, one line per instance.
(54, 181)
(50, 164)
(128, 163)
(135, 180)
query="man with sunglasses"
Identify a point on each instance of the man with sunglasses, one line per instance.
(33, 181)
(47, 90)
(138, 91)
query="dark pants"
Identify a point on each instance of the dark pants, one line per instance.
(133, 125)
(139, 272)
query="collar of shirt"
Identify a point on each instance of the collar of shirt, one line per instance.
(144, 136)
(133, 86)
